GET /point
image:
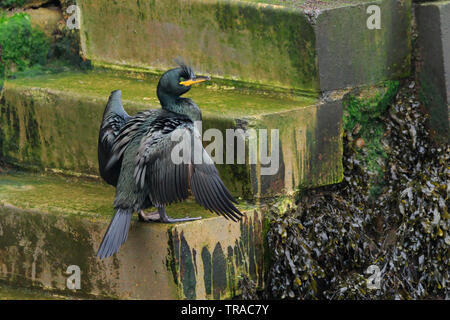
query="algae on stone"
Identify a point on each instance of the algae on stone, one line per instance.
(50, 222)
(73, 196)
(310, 46)
(231, 39)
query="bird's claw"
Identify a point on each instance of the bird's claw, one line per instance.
(157, 217)
(170, 220)
(149, 217)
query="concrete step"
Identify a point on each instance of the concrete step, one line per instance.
(307, 45)
(433, 21)
(51, 222)
(52, 121)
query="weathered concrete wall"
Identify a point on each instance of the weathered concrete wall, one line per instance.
(433, 20)
(223, 38)
(40, 239)
(350, 54)
(208, 267)
(45, 19)
(311, 148)
(49, 129)
(156, 262)
(281, 45)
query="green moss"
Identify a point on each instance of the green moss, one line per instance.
(39, 144)
(228, 39)
(215, 101)
(52, 194)
(363, 119)
(23, 46)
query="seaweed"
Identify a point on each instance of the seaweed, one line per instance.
(323, 246)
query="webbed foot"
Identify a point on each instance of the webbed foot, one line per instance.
(166, 219)
(148, 217)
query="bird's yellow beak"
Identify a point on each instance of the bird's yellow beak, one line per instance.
(190, 82)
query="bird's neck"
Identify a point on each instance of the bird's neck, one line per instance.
(174, 103)
(166, 100)
(182, 106)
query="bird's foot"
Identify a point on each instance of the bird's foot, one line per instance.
(149, 217)
(166, 219)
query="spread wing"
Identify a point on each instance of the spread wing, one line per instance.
(171, 159)
(114, 118)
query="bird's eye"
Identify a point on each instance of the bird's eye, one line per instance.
(182, 79)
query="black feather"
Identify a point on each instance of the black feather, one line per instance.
(116, 233)
(114, 118)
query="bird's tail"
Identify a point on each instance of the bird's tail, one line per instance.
(116, 234)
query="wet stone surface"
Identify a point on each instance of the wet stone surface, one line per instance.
(52, 121)
(48, 222)
(311, 46)
(433, 20)
(212, 268)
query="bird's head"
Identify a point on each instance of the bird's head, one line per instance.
(178, 81)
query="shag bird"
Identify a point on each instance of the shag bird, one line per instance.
(134, 155)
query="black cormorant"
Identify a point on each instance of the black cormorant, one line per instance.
(134, 155)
